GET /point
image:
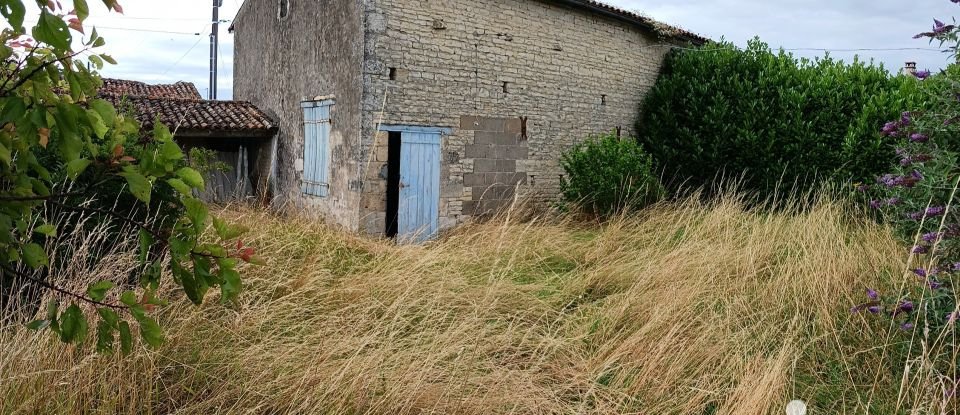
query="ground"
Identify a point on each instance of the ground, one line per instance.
(686, 308)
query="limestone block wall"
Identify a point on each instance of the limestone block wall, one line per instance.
(517, 82)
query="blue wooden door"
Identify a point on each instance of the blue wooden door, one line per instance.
(419, 207)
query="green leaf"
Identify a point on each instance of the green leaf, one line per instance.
(109, 59)
(82, 9)
(227, 231)
(150, 331)
(14, 11)
(140, 186)
(180, 186)
(96, 121)
(73, 325)
(146, 242)
(106, 111)
(232, 285)
(171, 152)
(5, 155)
(191, 177)
(109, 316)
(35, 256)
(192, 287)
(52, 31)
(38, 325)
(98, 291)
(126, 339)
(46, 230)
(197, 212)
(129, 298)
(105, 338)
(77, 167)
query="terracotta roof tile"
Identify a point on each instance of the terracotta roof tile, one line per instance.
(181, 107)
(198, 115)
(122, 87)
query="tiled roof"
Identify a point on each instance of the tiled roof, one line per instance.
(122, 87)
(198, 115)
(181, 108)
(658, 27)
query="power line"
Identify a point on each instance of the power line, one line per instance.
(148, 30)
(184, 56)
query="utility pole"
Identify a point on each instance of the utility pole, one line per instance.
(214, 46)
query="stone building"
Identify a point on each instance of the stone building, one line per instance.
(405, 117)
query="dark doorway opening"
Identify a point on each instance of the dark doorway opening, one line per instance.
(393, 183)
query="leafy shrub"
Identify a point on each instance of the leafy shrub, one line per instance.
(775, 119)
(605, 175)
(63, 151)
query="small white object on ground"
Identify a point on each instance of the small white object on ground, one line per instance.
(797, 408)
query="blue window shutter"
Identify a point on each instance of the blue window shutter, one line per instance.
(316, 150)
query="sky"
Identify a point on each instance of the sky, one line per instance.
(159, 41)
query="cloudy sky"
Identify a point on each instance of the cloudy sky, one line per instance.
(168, 40)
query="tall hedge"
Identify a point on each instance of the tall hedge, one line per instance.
(721, 111)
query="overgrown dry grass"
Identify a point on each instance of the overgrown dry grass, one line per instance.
(686, 309)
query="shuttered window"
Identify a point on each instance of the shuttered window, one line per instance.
(316, 148)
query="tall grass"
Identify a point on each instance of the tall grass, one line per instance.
(688, 308)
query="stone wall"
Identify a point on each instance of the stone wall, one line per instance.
(518, 82)
(315, 50)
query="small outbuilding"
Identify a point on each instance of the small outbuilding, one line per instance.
(238, 133)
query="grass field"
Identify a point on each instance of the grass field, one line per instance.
(684, 309)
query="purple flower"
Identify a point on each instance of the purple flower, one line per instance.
(936, 211)
(921, 75)
(915, 216)
(906, 306)
(919, 138)
(952, 317)
(890, 128)
(863, 188)
(930, 237)
(874, 309)
(934, 285)
(906, 326)
(905, 118)
(873, 294)
(920, 250)
(893, 201)
(922, 273)
(875, 204)
(955, 266)
(940, 28)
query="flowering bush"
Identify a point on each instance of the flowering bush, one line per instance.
(919, 199)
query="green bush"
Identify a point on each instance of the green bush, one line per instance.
(605, 175)
(775, 120)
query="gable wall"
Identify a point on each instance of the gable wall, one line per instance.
(315, 51)
(452, 58)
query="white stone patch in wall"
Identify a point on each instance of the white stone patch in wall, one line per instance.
(298, 165)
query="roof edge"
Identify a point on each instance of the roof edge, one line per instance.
(623, 15)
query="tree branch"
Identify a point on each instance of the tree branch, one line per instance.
(54, 288)
(36, 70)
